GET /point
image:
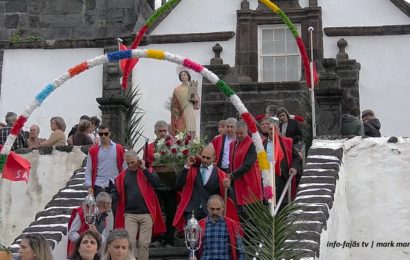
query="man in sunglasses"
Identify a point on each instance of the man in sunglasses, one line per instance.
(105, 161)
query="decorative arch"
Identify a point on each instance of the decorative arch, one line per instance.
(161, 55)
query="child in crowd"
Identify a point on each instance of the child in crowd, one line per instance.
(221, 127)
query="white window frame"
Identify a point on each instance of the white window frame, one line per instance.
(260, 56)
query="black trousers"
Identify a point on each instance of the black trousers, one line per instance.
(200, 214)
(169, 199)
(98, 189)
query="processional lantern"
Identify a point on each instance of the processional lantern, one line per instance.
(192, 233)
(90, 209)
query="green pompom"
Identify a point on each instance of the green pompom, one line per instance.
(225, 88)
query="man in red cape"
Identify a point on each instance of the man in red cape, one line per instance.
(166, 194)
(105, 161)
(195, 193)
(220, 235)
(287, 161)
(222, 143)
(244, 168)
(77, 224)
(161, 131)
(138, 210)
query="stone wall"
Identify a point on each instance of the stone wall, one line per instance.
(51, 168)
(68, 19)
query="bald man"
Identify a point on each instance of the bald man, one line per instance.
(197, 185)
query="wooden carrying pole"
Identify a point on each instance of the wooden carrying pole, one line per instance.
(225, 199)
(272, 171)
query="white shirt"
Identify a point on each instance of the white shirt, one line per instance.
(207, 173)
(269, 152)
(225, 156)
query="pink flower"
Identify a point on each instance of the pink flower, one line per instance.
(168, 144)
(185, 152)
(173, 150)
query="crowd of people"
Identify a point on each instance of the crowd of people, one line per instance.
(221, 181)
(368, 126)
(81, 134)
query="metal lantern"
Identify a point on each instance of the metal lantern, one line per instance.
(192, 233)
(90, 209)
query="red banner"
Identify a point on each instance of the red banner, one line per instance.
(123, 62)
(16, 168)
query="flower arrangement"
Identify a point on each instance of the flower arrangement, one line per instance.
(173, 152)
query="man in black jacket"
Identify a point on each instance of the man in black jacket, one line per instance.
(371, 124)
(197, 185)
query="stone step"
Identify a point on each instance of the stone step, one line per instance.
(50, 221)
(65, 203)
(53, 212)
(62, 229)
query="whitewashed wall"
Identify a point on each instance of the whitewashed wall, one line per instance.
(20, 202)
(378, 196)
(26, 72)
(384, 80)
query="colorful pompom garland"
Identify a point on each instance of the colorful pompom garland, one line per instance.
(152, 54)
(160, 55)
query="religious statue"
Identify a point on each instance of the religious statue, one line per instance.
(185, 101)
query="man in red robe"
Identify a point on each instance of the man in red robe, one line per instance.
(161, 131)
(220, 236)
(138, 210)
(244, 169)
(287, 161)
(222, 143)
(77, 224)
(197, 185)
(166, 193)
(105, 161)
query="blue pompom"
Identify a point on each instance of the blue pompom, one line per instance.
(44, 94)
(119, 55)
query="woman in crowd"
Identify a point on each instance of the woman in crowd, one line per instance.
(86, 247)
(95, 122)
(57, 138)
(289, 127)
(119, 246)
(371, 124)
(35, 247)
(81, 135)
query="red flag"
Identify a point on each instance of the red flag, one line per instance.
(278, 153)
(16, 168)
(123, 62)
(315, 76)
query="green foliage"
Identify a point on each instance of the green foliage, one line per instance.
(133, 117)
(271, 232)
(3, 248)
(307, 127)
(15, 38)
(33, 38)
